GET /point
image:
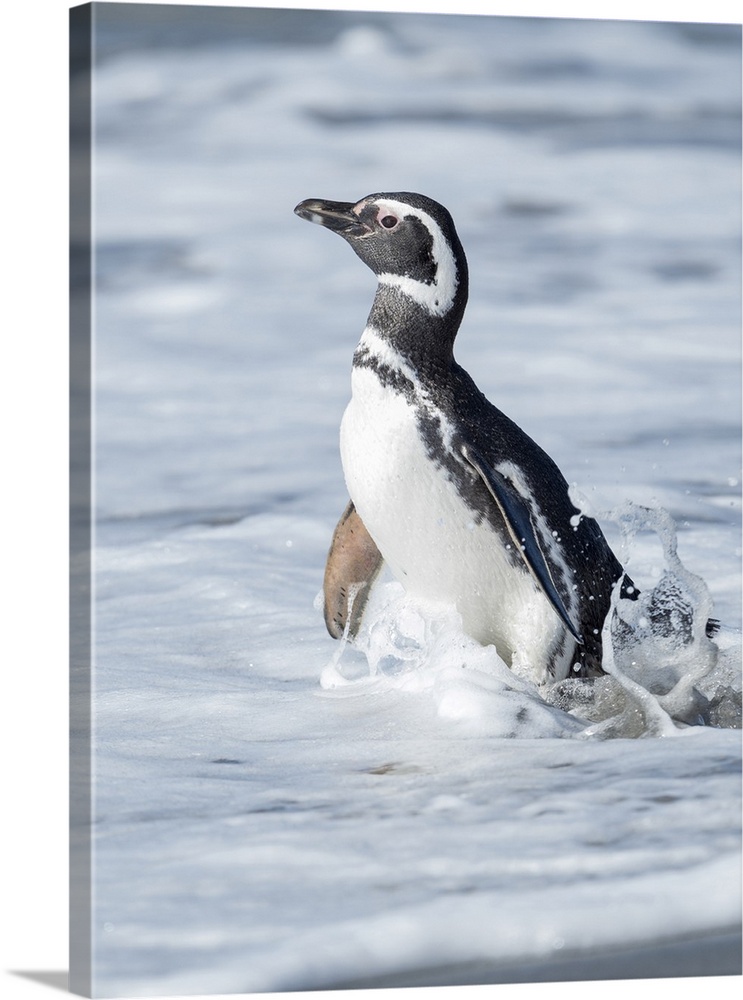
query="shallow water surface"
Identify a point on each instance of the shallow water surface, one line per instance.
(273, 812)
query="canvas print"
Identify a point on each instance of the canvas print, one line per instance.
(405, 507)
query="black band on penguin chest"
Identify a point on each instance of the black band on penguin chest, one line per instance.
(430, 424)
(388, 375)
(440, 445)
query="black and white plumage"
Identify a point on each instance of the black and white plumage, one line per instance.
(461, 504)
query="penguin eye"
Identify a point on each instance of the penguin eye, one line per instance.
(388, 221)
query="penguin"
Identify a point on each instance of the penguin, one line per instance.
(445, 489)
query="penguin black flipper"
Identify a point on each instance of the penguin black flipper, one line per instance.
(517, 517)
(351, 568)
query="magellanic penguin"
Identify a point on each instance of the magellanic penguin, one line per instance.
(459, 502)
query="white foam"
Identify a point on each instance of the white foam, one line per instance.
(663, 672)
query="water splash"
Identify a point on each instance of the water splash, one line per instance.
(663, 671)
(657, 645)
(416, 648)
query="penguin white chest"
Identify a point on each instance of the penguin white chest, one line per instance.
(398, 491)
(430, 538)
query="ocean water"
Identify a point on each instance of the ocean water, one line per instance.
(277, 811)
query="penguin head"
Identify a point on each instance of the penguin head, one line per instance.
(409, 242)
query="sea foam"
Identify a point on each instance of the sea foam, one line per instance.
(664, 674)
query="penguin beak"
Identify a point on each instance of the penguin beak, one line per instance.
(335, 215)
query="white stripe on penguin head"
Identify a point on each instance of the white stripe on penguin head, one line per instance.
(438, 297)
